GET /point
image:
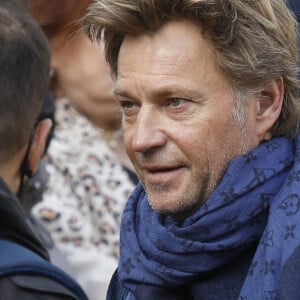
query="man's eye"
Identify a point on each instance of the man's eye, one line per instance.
(176, 101)
(126, 104)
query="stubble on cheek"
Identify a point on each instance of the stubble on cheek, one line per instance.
(179, 199)
(223, 152)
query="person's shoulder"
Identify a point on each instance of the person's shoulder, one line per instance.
(24, 273)
(28, 286)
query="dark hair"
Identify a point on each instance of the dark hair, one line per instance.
(255, 41)
(24, 73)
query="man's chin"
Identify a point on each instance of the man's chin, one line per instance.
(172, 208)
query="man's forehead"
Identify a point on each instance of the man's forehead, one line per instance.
(177, 45)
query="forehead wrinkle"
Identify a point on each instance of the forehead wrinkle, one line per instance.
(154, 68)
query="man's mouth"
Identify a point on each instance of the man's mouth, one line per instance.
(159, 175)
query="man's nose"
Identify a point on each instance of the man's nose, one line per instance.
(148, 132)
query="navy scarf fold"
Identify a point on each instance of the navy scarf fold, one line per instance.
(256, 199)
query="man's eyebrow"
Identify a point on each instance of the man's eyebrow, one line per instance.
(120, 92)
(170, 91)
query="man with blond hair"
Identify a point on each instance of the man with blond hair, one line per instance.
(209, 95)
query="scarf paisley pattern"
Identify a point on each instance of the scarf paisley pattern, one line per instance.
(257, 199)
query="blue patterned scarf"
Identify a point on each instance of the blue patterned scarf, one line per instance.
(258, 198)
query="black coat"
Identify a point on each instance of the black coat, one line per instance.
(14, 227)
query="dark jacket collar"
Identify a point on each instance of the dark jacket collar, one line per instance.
(13, 222)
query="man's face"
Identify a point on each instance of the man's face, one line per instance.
(178, 116)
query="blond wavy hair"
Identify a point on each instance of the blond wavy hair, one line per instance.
(255, 41)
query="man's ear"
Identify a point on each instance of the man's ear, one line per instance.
(38, 143)
(269, 104)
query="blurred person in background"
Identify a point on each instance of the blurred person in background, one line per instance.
(90, 176)
(24, 71)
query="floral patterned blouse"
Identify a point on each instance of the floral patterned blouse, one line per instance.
(84, 198)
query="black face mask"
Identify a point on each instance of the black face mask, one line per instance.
(25, 170)
(48, 111)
